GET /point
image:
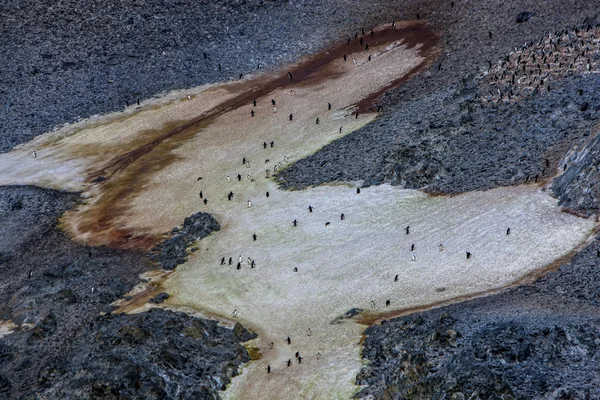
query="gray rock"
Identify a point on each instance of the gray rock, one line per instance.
(524, 16)
(159, 298)
(173, 252)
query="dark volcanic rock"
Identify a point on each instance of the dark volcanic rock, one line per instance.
(173, 251)
(241, 333)
(577, 188)
(159, 298)
(156, 354)
(199, 225)
(504, 359)
(524, 16)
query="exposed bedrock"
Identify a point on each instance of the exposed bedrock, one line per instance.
(578, 187)
(155, 354)
(172, 252)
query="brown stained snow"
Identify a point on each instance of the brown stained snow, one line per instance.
(149, 160)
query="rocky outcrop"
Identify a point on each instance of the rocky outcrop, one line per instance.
(173, 252)
(577, 188)
(156, 354)
(432, 356)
